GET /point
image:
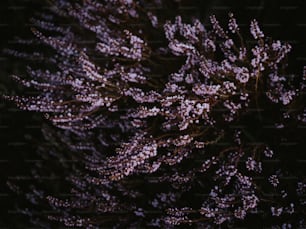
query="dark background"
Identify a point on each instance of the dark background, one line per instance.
(19, 130)
(16, 127)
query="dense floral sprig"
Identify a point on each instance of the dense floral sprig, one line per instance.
(125, 119)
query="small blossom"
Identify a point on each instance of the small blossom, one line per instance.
(255, 30)
(276, 211)
(273, 179)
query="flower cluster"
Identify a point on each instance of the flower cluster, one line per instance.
(128, 121)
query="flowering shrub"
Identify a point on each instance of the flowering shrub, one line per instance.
(129, 119)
